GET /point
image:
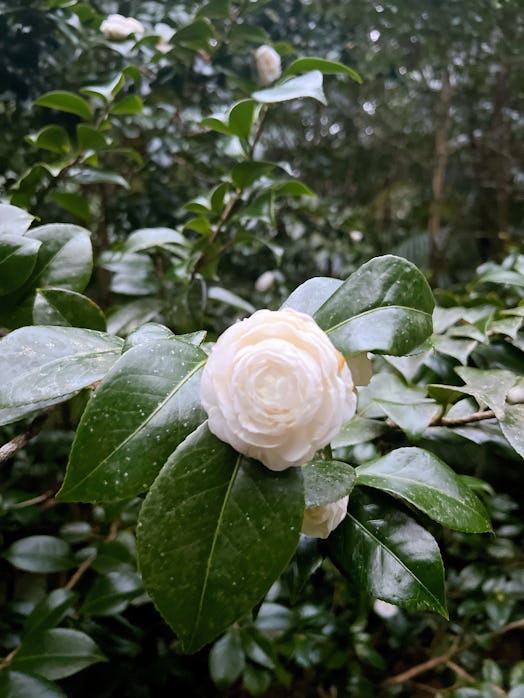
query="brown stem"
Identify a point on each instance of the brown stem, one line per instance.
(416, 670)
(9, 449)
(34, 500)
(514, 625)
(467, 419)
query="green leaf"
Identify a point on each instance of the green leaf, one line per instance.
(487, 387)
(146, 405)
(222, 295)
(214, 533)
(357, 431)
(41, 554)
(385, 306)
(66, 101)
(74, 203)
(88, 175)
(148, 238)
(108, 90)
(406, 405)
(196, 35)
(307, 85)
(41, 366)
(128, 317)
(18, 255)
(55, 306)
(15, 684)
(427, 483)
(389, 555)
(130, 104)
(215, 9)
(111, 594)
(241, 117)
(248, 33)
(53, 138)
(14, 220)
(90, 138)
(227, 660)
(303, 65)
(57, 653)
(511, 427)
(50, 611)
(293, 188)
(245, 173)
(326, 481)
(312, 294)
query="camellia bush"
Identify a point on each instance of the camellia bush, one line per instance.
(214, 451)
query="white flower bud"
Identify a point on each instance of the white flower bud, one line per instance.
(320, 521)
(385, 609)
(118, 27)
(268, 64)
(265, 281)
(276, 389)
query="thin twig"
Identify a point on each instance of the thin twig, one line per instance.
(9, 449)
(86, 564)
(35, 500)
(416, 670)
(467, 419)
(514, 625)
(459, 671)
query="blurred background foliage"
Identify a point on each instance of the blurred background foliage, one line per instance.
(423, 159)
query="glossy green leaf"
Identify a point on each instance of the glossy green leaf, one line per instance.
(222, 295)
(512, 427)
(15, 684)
(149, 238)
(241, 117)
(389, 555)
(227, 659)
(292, 188)
(57, 653)
(55, 306)
(307, 85)
(146, 405)
(215, 531)
(384, 306)
(303, 65)
(245, 173)
(14, 220)
(90, 138)
(49, 611)
(326, 481)
(112, 593)
(196, 35)
(18, 255)
(75, 203)
(130, 104)
(88, 175)
(312, 294)
(41, 366)
(430, 485)
(248, 33)
(66, 101)
(357, 431)
(406, 405)
(108, 90)
(129, 317)
(41, 554)
(487, 387)
(150, 332)
(53, 138)
(460, 349)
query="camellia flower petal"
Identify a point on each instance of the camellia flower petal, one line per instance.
(268, 64)
(276, 389)
(118, 27)
(320, 521)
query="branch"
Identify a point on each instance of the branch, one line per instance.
(416, 670)
(467, 419)
(9, 449)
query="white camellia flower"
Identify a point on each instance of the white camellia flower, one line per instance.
(276, 389)
(320, 521)
(118, 27)
(268, 64)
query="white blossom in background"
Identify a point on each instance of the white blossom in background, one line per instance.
(276, 389)
(118, 27)
(268, 64)
(356, 235)
(320, 521)
(265, 281)
(384, 609)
